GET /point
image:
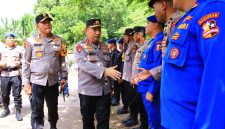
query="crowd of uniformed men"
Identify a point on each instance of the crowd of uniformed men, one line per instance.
(174, 81)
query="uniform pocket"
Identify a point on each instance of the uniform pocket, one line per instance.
(178, 48)
(39, 52)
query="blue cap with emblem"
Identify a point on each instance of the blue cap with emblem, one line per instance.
(120, 41)
(9, 34)
(112, 41)
(152, 19)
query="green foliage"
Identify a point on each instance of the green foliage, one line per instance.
(69, 18)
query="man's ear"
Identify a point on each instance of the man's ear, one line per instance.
(163, 6)
(155, 25)
(85, 30)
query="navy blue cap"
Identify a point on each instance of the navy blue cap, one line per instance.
(112, 41)
(93, 23)
(120, 41)
(129, 31)
(139, 29)
(9, 34)
(42, 17)
(151, 3)
(152, 19)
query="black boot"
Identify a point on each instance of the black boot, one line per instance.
(5, 112)
(19, 116)
(53, 126)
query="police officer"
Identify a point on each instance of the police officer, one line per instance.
(165, 13)
(124, 109)
(129, 54)
(115, 60)
(139, 38)
(151, 58)
(44, 58)
(10, 62)
(92, 58)
(193, 73)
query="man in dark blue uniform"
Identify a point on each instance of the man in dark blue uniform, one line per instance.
(192, 91)
(115, 60)
(124, 109)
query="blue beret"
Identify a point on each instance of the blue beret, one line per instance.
(152, 19)
(9, 34)
(120, 41)
(112, 41)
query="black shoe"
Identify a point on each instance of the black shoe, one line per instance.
(5, 112)
(53, 126)
(126, 120)
(122, 111)
(19, 116)
(131, 122)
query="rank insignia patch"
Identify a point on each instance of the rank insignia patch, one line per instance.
(210, 29)
(174, 53)
(176, 36)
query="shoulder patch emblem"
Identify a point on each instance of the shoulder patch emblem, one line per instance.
(158, 46)
(207, 17)
(63, 51)
(79, 48)
(210, 29)
(174, 53)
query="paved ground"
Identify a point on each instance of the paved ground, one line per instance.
(69, 112)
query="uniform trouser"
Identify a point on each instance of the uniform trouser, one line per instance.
(153, 111)
(143, 113)
(131, 93)
(15, 83)
(116, 95)
(50, 94)
(98, 106)
(122, 89)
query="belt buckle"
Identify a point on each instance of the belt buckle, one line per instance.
(9, 69)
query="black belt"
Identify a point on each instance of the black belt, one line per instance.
(10, 69)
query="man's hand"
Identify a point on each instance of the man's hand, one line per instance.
(149, 96)
(3, 64)
(111, 72)
(63, 84)
(143, 75)
(27, 88)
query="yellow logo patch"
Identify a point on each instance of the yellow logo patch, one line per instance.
(210, 29)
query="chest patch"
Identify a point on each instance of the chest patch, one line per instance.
(174, 53)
